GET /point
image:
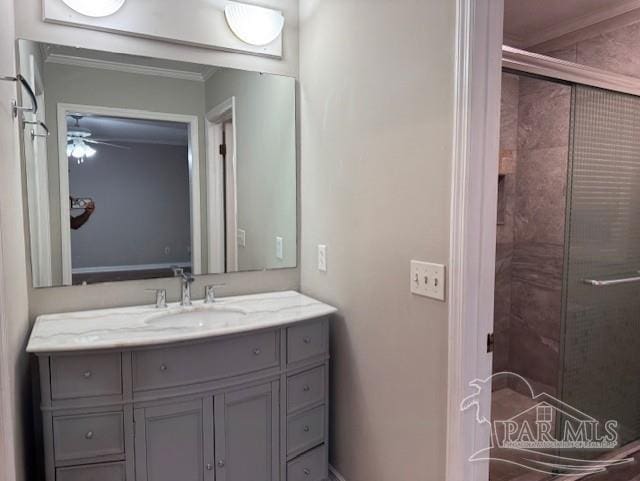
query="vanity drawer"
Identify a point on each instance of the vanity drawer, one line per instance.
(305, 389)
(305, 430)
(311, 466)
(190, 364)
(94, 472)
(307, 340)
(80, 376)
(88, 436)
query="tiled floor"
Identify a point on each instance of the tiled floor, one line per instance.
(507, 403)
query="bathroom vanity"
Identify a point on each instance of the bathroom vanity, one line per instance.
(236, 390)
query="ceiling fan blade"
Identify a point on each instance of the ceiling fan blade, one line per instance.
(91, 141)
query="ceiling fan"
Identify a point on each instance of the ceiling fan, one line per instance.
(79, 140)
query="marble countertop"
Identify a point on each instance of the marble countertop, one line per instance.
(128, 327)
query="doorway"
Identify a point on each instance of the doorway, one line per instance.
(224, 238)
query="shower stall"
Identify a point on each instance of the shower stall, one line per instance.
(567, 308)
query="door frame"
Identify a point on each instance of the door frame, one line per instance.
(478, 58)
(222, 214)
(194, 175)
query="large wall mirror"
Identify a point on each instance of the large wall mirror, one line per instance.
(153, 164)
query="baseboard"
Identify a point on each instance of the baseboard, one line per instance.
(334, 475)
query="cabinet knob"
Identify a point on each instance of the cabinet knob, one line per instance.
(306, 340)
(209, 467)
(306, 428)
(87, 374)
(89, 435)
(306, 471)
(221, 463)
(257, 352)
(307, 388)
(163, 367)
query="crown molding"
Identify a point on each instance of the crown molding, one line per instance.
(127, 67)
(594, 23)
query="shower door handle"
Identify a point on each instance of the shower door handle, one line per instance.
(612, 282)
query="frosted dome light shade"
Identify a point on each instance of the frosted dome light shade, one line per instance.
(254, 25)
(95, 8)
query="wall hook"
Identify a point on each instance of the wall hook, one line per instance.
(20, 108)
(41, 125)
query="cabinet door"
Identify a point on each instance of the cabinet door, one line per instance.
(172, 443)
(247, 434)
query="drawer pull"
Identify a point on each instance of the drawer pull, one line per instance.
(221, 463)
(306, 471)
(87, 374)
(257, 352)
(89, 435)
(163, 367)
(209, 467)
(306, 428)
(307, 340)
(307, 388)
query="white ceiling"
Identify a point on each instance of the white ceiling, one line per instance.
(121, 130)
(529, 22)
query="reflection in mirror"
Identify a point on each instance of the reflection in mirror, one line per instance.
(154, 164)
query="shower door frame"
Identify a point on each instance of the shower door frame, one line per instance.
(480, 59)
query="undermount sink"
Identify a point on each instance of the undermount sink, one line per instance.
(206, 318)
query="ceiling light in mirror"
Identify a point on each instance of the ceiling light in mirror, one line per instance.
(254, 25)
(95, 8)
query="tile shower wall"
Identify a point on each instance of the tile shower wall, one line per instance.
(531, 238)
(614, 51)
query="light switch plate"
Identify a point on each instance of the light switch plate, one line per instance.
(428, 280)
(322, 258)
(279, 248)
(242, 237)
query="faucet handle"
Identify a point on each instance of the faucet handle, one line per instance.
(210, 293)
(161, 297)
(177, 271)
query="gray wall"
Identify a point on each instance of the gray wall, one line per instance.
(105, 88)
(377, 105)
(142, 206)
(266, 162)
(15, 405)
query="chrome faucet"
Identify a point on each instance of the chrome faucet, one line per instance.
(186, 279)
(210, 293)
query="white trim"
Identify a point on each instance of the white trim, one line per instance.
(83, 62)
(473, 232)
(131, 268)
(334, 474)
(586, 21)
(222, 238)
(194, 169)
(537, 64)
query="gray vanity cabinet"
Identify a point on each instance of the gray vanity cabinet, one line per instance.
(246, 434)
(171, 441)
(243, 407)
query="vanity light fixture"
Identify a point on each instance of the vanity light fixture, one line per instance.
(95, 8)
(256, 26)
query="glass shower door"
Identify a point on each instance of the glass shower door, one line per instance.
(600, 374)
